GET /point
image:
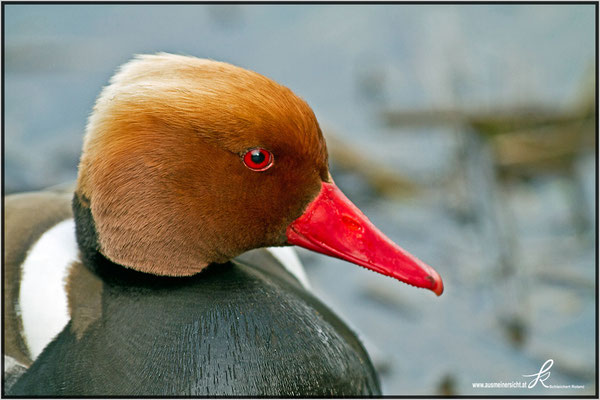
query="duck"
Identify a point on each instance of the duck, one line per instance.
(166, 270)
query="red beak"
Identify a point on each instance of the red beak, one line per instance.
(332, 225)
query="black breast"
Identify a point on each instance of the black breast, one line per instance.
(231, 330)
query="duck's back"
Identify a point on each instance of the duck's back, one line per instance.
(246, 327)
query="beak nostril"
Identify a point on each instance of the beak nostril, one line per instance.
(351, 223)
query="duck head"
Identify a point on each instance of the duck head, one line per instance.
(188, 162)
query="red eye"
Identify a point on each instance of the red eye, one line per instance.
(258, 159)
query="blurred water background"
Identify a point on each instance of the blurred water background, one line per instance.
(465, 132)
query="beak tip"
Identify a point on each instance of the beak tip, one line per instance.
(437, 286)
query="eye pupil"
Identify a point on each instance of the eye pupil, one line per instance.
(257, 156)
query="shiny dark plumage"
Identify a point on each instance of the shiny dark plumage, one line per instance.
(232, 330)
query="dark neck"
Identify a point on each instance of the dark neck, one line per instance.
(85, 231)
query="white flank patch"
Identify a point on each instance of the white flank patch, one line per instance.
(289, 258)
(42, 296)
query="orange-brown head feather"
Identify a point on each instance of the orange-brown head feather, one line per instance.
(161, 168)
